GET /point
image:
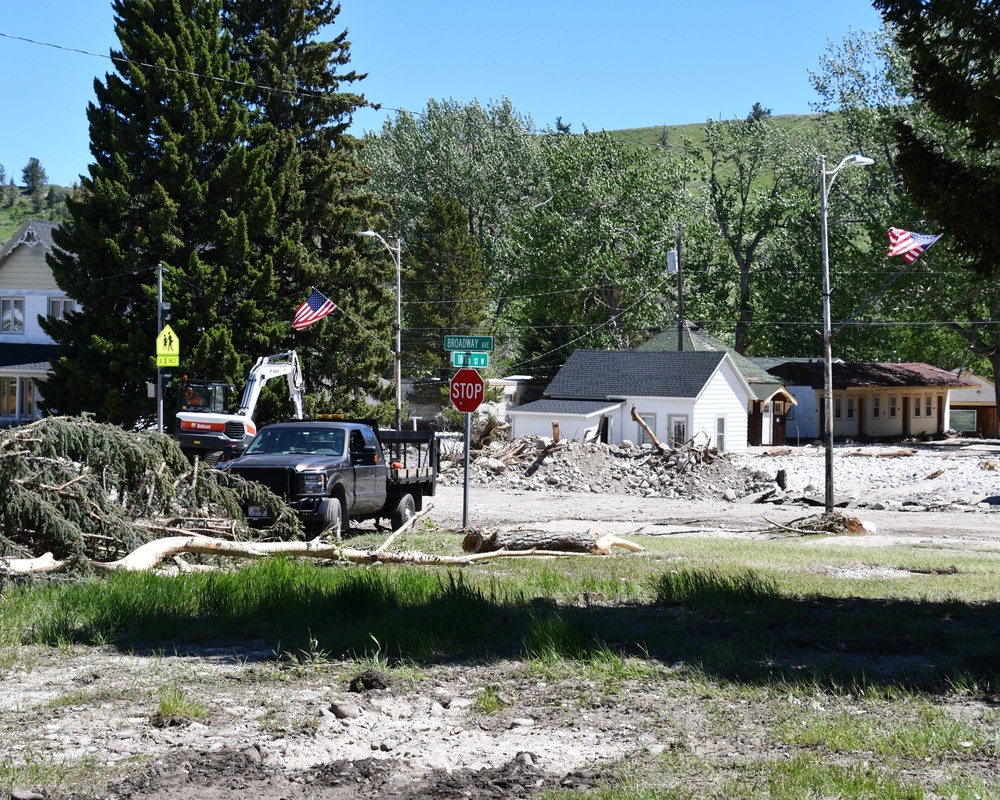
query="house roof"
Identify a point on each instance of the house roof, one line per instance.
(603, 374)
(762, 383)
(581, 408)
(32, 232)
(868, 376)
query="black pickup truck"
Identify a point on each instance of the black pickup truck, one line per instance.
(332, 472)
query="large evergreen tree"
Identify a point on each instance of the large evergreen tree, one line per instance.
(207, 163)
(444, 292)
(302, 105)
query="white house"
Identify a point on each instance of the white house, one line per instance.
(682, 396)
(27, 291)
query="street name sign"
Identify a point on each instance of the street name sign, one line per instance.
(477, 360)
(469, 343)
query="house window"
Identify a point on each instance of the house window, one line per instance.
(720, 434)
(27, 398)
(927, 405)
(892, 406)
(837, 411)
(12, 315)
(650, 420)
(678, 430)
(916, 405)
(850, 408)
(59, 307)
(876, 406)
(8, 396)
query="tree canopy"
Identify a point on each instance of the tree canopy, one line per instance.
(220, 153)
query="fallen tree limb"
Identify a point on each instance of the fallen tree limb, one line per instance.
(664, 450)
(396, 534)
(523, 539)
(155, 552)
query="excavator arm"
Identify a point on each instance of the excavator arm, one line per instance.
(266, 368)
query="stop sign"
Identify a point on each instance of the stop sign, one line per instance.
(467, 390)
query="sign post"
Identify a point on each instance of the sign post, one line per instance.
(467, 390)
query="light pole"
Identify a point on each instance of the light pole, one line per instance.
(398, 353)
(825, 186)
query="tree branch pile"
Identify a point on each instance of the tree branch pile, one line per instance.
(85, 491)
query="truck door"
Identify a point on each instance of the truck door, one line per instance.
(380, 470)
(364, 465)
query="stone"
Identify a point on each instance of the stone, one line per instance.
(345, 710)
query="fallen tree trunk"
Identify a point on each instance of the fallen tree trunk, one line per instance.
(664, 450)
(518, 539)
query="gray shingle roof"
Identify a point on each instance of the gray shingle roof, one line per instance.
(762, 383)
(32, 232)
(600, 374)
(583, 408)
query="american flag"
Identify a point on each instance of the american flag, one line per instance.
(909, 245)
(315, 307)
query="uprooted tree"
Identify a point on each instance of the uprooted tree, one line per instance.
(85, 491)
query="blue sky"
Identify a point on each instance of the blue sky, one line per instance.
(636, 63)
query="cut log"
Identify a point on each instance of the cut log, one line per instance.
(517, 539)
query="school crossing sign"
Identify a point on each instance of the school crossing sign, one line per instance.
(168, 348)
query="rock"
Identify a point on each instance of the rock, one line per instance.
(25, 794)
(345, 710)
(730, 495)
(522, 722)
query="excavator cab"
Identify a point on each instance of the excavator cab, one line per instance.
(203, 396)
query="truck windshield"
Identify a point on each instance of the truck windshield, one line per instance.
(328, 441)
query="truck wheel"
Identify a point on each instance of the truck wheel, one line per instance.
(332, 514)
(403, 513)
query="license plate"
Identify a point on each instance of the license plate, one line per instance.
(257, 511)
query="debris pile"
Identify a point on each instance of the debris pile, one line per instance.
(541, 464)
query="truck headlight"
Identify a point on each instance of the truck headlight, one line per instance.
(314, 483)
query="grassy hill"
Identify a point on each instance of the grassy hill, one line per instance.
(12, 216)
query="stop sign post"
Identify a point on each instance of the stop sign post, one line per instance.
(467, 390)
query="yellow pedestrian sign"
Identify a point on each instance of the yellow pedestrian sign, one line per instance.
(168, 348)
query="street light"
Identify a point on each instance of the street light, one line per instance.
(398, 354)
(825, 186)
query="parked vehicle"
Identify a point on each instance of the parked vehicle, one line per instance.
(335, 471)
(207, 429)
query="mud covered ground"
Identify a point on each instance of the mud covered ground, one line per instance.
(275, 729)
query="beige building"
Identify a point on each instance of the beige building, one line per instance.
(27, 291)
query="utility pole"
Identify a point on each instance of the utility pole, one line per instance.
(674, 265)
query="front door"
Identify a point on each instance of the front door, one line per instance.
(778, 425)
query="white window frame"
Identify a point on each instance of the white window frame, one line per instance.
(917, 408)
(11, 315)
(928, 405)
(27, 398)
(672, 420)
(851, 407)
(838, 407)
(892, 406)
(60, 306)
(720, 434)
(876, 406)
(8, 396)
